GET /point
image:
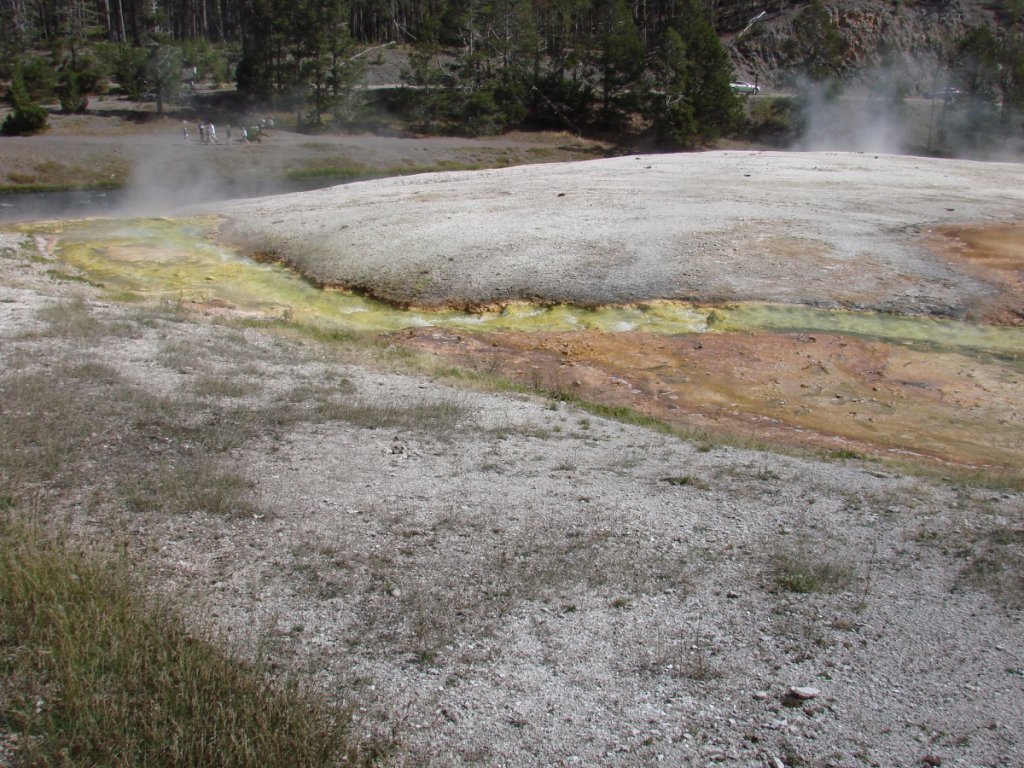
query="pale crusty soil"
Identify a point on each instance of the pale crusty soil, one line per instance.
(527, 584)
(831, 229)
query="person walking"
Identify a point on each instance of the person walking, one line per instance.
(211, 133)
(184, 127)
(202, 132)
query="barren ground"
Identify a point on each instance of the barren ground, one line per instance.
(505, 579)
(121, 143)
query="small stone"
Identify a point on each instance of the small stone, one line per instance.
(760, 695)
(803, 693)
(932, 760)
(795, 696)
(732, 595)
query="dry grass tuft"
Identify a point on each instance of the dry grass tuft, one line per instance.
(803, 572)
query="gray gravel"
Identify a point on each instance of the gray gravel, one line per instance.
(529, 585)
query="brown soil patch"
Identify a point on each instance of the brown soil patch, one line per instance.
(824, 390)
(994, 254)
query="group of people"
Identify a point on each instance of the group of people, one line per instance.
(208, 132)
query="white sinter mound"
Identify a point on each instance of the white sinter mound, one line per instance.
(818, 228)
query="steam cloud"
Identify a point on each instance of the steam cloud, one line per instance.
(891, 115)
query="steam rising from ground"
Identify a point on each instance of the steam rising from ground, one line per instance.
(856, 123)
(892, 115)
(161, 184)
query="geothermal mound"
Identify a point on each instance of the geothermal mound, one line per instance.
(827, 229)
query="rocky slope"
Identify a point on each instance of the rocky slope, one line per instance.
(908, 40)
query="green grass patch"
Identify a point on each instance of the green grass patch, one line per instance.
(40, 186)
(93, 674)
(344, 173)
(804, 573)
(67, 277)
(333, 172)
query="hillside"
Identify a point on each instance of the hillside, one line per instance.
(909, 40)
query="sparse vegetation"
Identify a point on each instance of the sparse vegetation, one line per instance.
(689, 480)
(187, 486)
(438, 417)
(804, 572)
(91, 674)
(90, 668)
(991, 556)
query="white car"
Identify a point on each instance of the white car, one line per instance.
(740, 86)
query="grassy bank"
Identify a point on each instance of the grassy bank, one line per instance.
(94, 671)
(94, 674)
(29, 187)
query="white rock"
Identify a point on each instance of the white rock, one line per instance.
(802, 693)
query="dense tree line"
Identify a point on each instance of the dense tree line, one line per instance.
(480, 65)
(475, 65)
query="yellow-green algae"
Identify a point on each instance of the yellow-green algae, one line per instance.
(925, 332)
(179, 259)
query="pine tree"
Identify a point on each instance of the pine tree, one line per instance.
(816, 45)
(976, 64)
(27, 117)
(620, 60)
(73, 99)
(672, 108)
(163, 73)
(693, 100)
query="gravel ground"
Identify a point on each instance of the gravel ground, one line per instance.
(510, 581)
(816, 228)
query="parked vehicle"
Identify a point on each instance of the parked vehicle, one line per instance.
(740, 86)
(945, 94)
